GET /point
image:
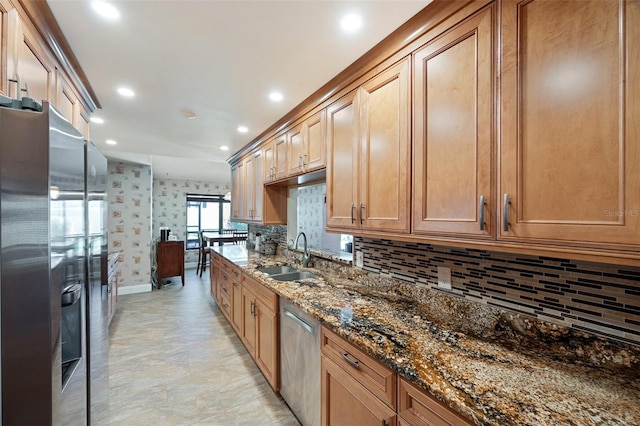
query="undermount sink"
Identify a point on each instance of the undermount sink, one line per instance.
(275, 270)
(292, 276)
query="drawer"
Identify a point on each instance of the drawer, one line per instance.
(225, 304)
(375, 377)
(231, 269)
(417, 408)
(265, 296)
(225, 283)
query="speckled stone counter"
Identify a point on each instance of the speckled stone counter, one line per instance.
(490, 366)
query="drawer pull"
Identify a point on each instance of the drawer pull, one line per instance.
(354, 363)
(253, 308)
(361, 213)
(353, 209)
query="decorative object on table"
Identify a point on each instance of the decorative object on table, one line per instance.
(258, 242)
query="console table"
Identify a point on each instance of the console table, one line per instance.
(170, 258)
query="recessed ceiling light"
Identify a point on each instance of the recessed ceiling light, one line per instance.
(351, 23)
(97, 120)
(106, 10)
(188, 114)
(126, 92)
(110, 142)
(243, 129)
(224, 148)
(276, 96)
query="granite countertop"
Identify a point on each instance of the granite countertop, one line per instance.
(489, 366)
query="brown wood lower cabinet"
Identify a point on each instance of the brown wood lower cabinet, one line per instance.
(260, 328)
(359, 391)
(345, 401)
(415, 408)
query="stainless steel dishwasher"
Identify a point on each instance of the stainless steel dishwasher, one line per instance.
(300, 363)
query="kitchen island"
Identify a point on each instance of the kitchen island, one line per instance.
(490, 366)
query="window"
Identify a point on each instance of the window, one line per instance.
(206, 213)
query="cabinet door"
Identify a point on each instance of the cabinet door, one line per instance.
(570, 122)
(280, 160)
(249, 189)
(385, 151)
(342, 162)
(347, 402)
(258, 186)
(267, 343)
(268, 155)
(236, 306)
(34, 68)
(237, 192)
(316, 134)
(419, 409)
(453, 122)
(248, 325)
(213, 268)
(5, 7)
(66, 102)
(297, 149)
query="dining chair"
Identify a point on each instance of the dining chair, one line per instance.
(227, 231)
(240, 236)
(203, 255)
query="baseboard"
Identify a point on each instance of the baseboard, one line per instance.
(132, 289)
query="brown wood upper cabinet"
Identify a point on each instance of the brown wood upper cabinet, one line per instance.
(570, 125)
(275, 158)
(453, 138)
(368, 155)
(307, 145)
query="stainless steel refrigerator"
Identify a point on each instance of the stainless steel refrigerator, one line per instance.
(47, 254)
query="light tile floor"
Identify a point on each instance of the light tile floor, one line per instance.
(175, 360)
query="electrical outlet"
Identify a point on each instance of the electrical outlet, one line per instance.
(359, 259)
(444, 278)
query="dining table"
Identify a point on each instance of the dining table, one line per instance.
(221, 238)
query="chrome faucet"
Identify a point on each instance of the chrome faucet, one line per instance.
(306, 255)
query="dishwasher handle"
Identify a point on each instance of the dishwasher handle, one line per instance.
(299, 321)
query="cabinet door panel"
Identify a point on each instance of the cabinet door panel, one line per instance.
(236, 306)
(268, 162)
(453, 137)
(280, 147)
(33, 67)
(296, 150)
(248, 334)
(316, 143)
(258, 186)
(248, 193)
(570, 120)
(347, 402)
(342, 162)
(267, 343)
(385, 176)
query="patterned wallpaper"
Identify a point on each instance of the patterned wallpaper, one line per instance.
(602, 299)
(170, 206)
(129, 197)
(311, 217)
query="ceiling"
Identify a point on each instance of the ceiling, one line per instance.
(218, 59)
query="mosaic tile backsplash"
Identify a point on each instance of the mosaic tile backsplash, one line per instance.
(601, 299)
(129, 196)
(170, 206)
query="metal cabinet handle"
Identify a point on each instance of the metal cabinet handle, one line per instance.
(481, 208)
(384, 422)
(300, 161)
(353, 211)
(253, 308)
(361, 213)
(354, 363)
(304, 160)
(235, 284)
(505, 213)
(299, 321)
